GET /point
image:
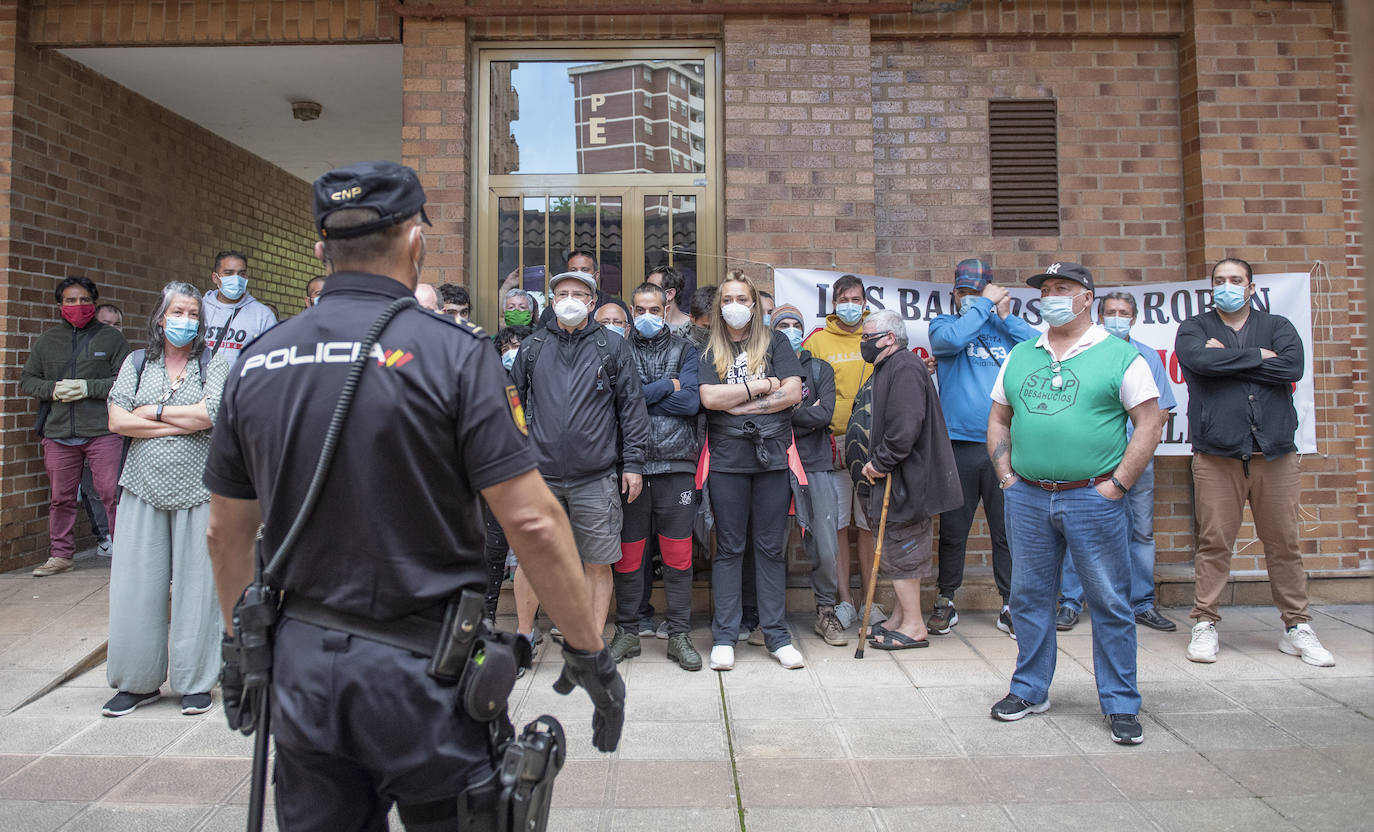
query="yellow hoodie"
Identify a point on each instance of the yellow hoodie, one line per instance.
(841, 350)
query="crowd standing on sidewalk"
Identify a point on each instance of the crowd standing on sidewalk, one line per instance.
(688, 415)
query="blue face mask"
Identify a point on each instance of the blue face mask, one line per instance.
(1057, 310)
(767, 318)
(508, 358)
(966, 304)
(180, 331)
(1229, 297)
(850, 313)
(794, 337)
(1118, 326)
(232, 286)
(649, 325)
(618, 330)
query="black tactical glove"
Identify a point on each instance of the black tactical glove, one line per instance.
(231, 682)
(597, 674)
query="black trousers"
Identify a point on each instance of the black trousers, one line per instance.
(495, 550)
(750, 507)
(359, 726)
(979, 480)
(665, 508)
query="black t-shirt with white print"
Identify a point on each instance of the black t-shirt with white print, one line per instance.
(737, 456)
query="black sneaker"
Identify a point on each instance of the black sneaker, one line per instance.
(1065, 618)
(1004, 623)
(195, 703)
(1152, 619)
(124, 702)
(943, 619)
(1126, 729)
(1013, 707)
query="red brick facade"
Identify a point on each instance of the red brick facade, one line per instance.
(1188, 130)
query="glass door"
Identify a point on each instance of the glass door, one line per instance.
(607, 151)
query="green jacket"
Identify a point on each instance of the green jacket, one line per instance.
(103, 351)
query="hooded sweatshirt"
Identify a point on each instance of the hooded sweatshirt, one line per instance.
(251, 318)
(840, 349)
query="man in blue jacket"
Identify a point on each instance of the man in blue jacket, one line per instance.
(969, 348)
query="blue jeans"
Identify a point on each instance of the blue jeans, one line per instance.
(1042, 528)
(1140, 512)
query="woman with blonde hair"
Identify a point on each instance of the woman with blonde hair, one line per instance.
(750, 380)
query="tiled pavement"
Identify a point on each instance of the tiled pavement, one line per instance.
(893, 742)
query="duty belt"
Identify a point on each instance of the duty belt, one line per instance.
(413, 633)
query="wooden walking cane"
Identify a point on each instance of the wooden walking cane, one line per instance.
(873, 573)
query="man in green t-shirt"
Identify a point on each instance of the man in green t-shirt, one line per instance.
(1057, 439)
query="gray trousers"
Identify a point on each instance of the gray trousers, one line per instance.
(822, 542)
(154, 551)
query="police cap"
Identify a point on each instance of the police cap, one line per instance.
(392, 190)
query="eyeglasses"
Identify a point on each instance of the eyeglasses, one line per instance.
(873, 336)
(574, 295)
(176, 385)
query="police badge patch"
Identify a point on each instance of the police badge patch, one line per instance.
(517, 410)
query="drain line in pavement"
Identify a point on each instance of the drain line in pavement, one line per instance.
(730, 744)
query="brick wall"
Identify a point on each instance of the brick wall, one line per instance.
(237, 22)
(1263, 181)
(434, 139)
(106, 184)
(1040, 17)
(798, 143)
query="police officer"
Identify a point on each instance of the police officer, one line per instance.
(396, 533)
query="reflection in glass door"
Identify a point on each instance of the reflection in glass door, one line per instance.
(607, 151)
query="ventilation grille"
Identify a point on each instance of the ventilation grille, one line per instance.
(1024, 159)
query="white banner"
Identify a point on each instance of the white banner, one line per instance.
(1162, 306)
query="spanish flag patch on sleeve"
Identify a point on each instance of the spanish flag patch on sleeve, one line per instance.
(517, 410)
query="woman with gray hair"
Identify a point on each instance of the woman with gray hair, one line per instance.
(165, 401)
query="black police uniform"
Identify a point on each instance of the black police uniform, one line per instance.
(397, 531)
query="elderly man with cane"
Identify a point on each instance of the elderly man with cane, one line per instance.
(910, 447)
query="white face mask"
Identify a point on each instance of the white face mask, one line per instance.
(570, 311)
(737, 315)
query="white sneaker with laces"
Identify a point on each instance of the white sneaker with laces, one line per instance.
(722, 657)
(1202, 647)
(789, 657)
(1299, 640)
(104, 547)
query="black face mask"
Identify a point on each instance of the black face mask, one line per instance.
(869, 350)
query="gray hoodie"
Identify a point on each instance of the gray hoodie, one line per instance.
(250, 318)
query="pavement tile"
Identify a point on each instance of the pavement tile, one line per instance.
(1091, 734)
(112, 817)
(17, 686)
(956, 672)
(93, 678)
(930, 780)
(1057, 817)
(25, 617)
(980, 736)
(1162, 667)
(876, 703)
(1295, 668)
(235, 819)
(1073, 698)
(1294, 772)
(86, 702)
(753, 702)
(584, 783)
(994, 647)
(673, 741)
(1338, 726)
(813, 819)
(1013, 780)
(941, 649)
(667, 784)
(68, 778)
(50, 650)
(1356, 615)
(211, 738)
(1183, 697)
(576, 820)
(790, 738)
(10, 763)
(1326, 813)
(37, 815)
(1156, 775)
(1227, 731)
(147, 737)
(36, 734)
(65, 590)
(872, 738)
(1280, 693)
(669, 703)
(958, 700)
(193, 780)
(876, 669)
(961, 818)
(792, 783)
(656, 820)
(1233, 815)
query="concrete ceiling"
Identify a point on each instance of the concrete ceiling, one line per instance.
(244, 94)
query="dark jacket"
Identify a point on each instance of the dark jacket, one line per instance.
(581, 425)
(103, 350)
(811, 419)
(910, 443)
(673, 445)
(1236, 399)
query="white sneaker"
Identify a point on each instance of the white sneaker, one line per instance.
(722, 657)
(789, 657)
(1299, 640)
(104, 547)
(1203, 645)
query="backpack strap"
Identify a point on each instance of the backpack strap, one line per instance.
(531, 346)
(608, 363)
(140, 357)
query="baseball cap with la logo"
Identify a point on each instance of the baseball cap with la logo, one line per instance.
(1066, 271)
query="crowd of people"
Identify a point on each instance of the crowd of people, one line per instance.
(667, 429)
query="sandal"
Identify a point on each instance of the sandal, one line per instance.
(893, 640)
